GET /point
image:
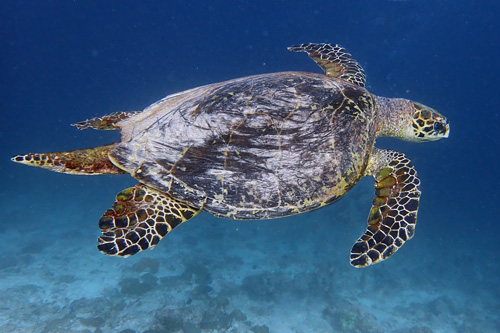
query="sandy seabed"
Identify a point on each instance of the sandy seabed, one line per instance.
(213, 275)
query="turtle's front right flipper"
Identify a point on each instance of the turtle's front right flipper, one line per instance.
(140, 217)
(393, 215)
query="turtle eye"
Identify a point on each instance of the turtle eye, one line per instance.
(439, 127)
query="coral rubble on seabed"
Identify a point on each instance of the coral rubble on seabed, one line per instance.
(286, 275)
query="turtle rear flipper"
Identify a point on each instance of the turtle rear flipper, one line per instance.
(393, 215)
(89, 161)
(140, 217)
(107, 122)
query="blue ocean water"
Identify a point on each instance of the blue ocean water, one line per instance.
(64, 62)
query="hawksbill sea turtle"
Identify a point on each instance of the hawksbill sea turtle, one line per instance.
(259, 147)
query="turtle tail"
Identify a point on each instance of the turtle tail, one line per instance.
(90, 161)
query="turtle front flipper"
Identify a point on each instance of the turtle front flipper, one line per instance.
(335, 61)
(393, 215)
(107, 122)
(140, 217)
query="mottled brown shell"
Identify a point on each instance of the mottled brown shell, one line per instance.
(257, 147)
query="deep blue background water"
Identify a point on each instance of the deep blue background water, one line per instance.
(62, 62)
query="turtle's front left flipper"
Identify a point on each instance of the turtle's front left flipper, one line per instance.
(140, 217)
(393, 215)
(335, 61)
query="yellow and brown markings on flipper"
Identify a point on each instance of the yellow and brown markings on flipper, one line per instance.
(107, 122)
(140, 217)
(335, 61)
(90, 161)
(393, 216)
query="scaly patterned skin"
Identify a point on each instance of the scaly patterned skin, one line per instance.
(90, 161)
(410, 121)
(140, 217)
(107, 122)
(335, 61)
(393, 216)
(427, 124)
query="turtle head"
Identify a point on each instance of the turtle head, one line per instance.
(427, 124)
(410, 121)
